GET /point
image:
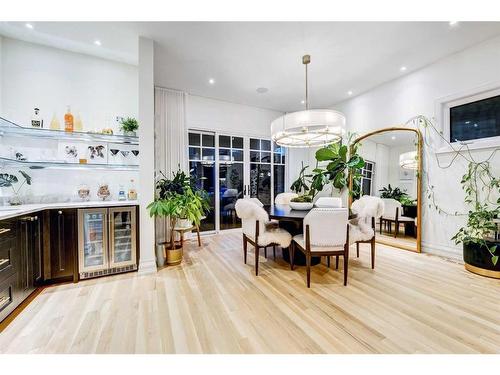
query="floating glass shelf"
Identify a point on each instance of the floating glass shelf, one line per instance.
(11, 129)
(60, 164)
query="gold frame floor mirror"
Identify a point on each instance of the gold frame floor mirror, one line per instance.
(418, 182)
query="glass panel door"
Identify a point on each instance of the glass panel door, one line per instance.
(231, 179)
(202, 168)
(260, 170)
(93, 239)
(122, 230)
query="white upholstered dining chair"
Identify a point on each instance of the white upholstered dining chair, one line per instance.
(258, 230)
(284, 198)
(328, 202)
(326, 233)
(393, 213)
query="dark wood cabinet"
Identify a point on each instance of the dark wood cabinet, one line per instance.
(60, 245)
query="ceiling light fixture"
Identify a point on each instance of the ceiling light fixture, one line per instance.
(408, 160)
(453, 23)
(97, 42)
(302, 102)
(393, 138)
(403, 68)
(349, 93)
(29, 26)
(308, 128)
(211, 81)
(262, 90)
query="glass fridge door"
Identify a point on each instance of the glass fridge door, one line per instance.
(93, 239)
(122, 236)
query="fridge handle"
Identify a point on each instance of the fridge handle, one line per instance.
(108, 237)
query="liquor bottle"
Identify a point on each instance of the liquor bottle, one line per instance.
(68, 120)
(121, 194)
(36, 119)
(54, 124)
(132, 193)
(78, 123)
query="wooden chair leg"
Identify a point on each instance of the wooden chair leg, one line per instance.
(198, 234)
(265, 252)
(373, 252)
(291, 249)
(396, 229)
(274, 252)
(256, 260)
(336, 262)
(380, 224)
(308, 269)
(328, 261)
(357, 249)
(346, 263)
(182, 239)
(245, 249)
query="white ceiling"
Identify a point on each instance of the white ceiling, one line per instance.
(395, 138)
(346, 56)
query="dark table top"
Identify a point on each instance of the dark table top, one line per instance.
(284, 212)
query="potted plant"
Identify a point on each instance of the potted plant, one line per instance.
(178, 200)
(342, 161)
(304, 201)
(393, 193)
(479, 237)
(9, 180)
(129, 126)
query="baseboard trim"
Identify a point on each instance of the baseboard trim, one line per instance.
(445, 251)
(147, 267)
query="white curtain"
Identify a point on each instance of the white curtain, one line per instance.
(170, 140)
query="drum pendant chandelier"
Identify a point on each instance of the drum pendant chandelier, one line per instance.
(309, 128)
(408, 160)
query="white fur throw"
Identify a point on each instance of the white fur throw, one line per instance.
(365, 208)
(249, 212)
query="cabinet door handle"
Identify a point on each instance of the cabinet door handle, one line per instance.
(59, 212)
(3, 261)
(4, 230)
(3, 300)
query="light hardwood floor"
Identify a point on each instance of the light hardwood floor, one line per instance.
(213, 303)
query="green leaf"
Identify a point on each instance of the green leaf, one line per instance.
(494, 260)
(324, 154)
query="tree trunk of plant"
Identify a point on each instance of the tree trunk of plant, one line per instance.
(172, 233)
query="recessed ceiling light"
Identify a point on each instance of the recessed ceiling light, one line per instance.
(393, 138)
(453, 23)
(211, 81)
(29, 26)
(302, 102)
(262, 90)
(403, 68)
(349, 93)
(97, 42)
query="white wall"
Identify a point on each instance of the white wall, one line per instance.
(217, 115)
(50, 79)
(34, 75)
(416, 93)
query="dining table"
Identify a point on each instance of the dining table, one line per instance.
(292, 221)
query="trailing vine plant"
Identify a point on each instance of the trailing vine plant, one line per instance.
(481, 187)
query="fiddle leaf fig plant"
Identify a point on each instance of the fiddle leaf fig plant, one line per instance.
(343, 160)
(300, 186)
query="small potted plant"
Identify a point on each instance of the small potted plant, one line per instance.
(178, 200)
(480, 236)
(129, 126)
(10, 180)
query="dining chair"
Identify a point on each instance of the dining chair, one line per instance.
(393, 210)
(284, 198)
(325, 202)
(367, 210)
(326, 233)
(258, 231)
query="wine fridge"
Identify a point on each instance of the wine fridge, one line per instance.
(107, 242)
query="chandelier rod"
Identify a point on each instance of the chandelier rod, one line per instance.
(306, 59)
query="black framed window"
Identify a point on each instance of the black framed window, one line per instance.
(475, 120)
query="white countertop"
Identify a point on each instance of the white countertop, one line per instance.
(7, 212)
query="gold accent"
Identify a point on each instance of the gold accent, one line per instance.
(174, 257)
(482, 271)
(306, 59)
(419, 178)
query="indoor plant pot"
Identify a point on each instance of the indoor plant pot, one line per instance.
(478, 259)
(173, 255)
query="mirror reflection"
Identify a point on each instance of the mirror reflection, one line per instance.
(390, 173)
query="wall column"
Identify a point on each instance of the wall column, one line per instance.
(147, 263)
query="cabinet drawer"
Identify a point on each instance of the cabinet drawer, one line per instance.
(7, 229)
(7, 298)
(7, 257)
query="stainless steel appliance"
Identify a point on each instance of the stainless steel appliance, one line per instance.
(107, 242)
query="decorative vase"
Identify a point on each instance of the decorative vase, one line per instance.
(301, 206)
(478, 259)
(184, 223)
(15, 200)
(129, 133)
